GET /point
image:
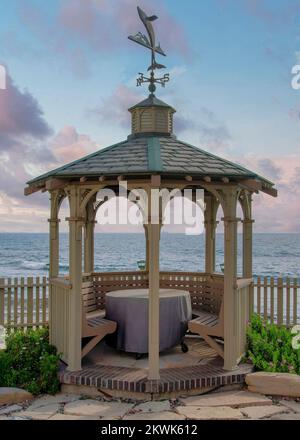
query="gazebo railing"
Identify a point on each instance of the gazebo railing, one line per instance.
(242, 313)
(24, 301)
(59, 305)
(109, 281)
(206, 290)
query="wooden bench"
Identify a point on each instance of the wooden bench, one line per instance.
(94, 323)
(209, 326)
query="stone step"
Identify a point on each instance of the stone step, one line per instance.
(274, 384)
(234, 399)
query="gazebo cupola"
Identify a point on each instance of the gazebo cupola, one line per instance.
(152, 116)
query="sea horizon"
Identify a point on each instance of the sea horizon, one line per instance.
(27, 254)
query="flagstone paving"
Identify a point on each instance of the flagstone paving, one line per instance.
(225, 405)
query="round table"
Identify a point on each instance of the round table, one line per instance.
(129, 308)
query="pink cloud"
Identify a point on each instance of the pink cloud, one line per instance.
(100, 26)
(94, 20)
(272, 13)
(279, 214)
(84, 26)
(26, 146)
(20, 114)
(114, 108)
(69, 145)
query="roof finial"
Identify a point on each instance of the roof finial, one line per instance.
(150, 43)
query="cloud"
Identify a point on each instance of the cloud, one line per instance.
(279, 214)
(273, 14)
(29, 148)
(81, 28)
(268, 168)
(212, 134)
(29, 214)
(94, 19)
(20, 116)
(24, 133)
(69, 145)
(114, 108)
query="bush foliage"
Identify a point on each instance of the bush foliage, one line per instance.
(270, 347)
(30, 362)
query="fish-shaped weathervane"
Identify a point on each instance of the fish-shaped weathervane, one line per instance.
(150, 43)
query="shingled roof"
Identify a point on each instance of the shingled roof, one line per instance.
(142, 155)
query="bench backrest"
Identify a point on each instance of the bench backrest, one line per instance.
(89, 301)
(221, 312)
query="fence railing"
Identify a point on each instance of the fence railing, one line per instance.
(23, 302)
(242, 312)
(277, 300)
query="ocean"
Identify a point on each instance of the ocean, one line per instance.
(27, 254)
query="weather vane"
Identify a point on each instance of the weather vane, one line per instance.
(150, 43)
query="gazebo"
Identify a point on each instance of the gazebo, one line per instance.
(151, 158)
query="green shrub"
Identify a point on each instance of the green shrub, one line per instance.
(270, 347)
(30, 362)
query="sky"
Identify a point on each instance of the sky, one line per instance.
(71, 76)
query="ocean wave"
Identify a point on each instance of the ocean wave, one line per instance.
(34, 265)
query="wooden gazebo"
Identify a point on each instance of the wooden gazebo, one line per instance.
(151, 158)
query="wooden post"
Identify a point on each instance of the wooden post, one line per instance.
(89, 237)
(153, 240)
(279, 301)
(230, 278)
(147, 249)
(247, 247)
(246, 204)
(54, 236)
(153, 233)
(211, 207)
(75, 264)
(54, 253)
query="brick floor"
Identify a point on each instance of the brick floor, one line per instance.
(172, 379)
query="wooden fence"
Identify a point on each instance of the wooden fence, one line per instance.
(23, 302)
(277, 300)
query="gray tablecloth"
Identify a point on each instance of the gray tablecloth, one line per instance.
(129, 308)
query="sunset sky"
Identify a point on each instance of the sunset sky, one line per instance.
(71, 75)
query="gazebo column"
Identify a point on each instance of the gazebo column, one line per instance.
(247, 247)
(230, 277)
(247, 236)
(147, 249)
(153, 234)
(53, 253)
(210, 214)
(75, 264)
(54, 237)
(89, 238)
